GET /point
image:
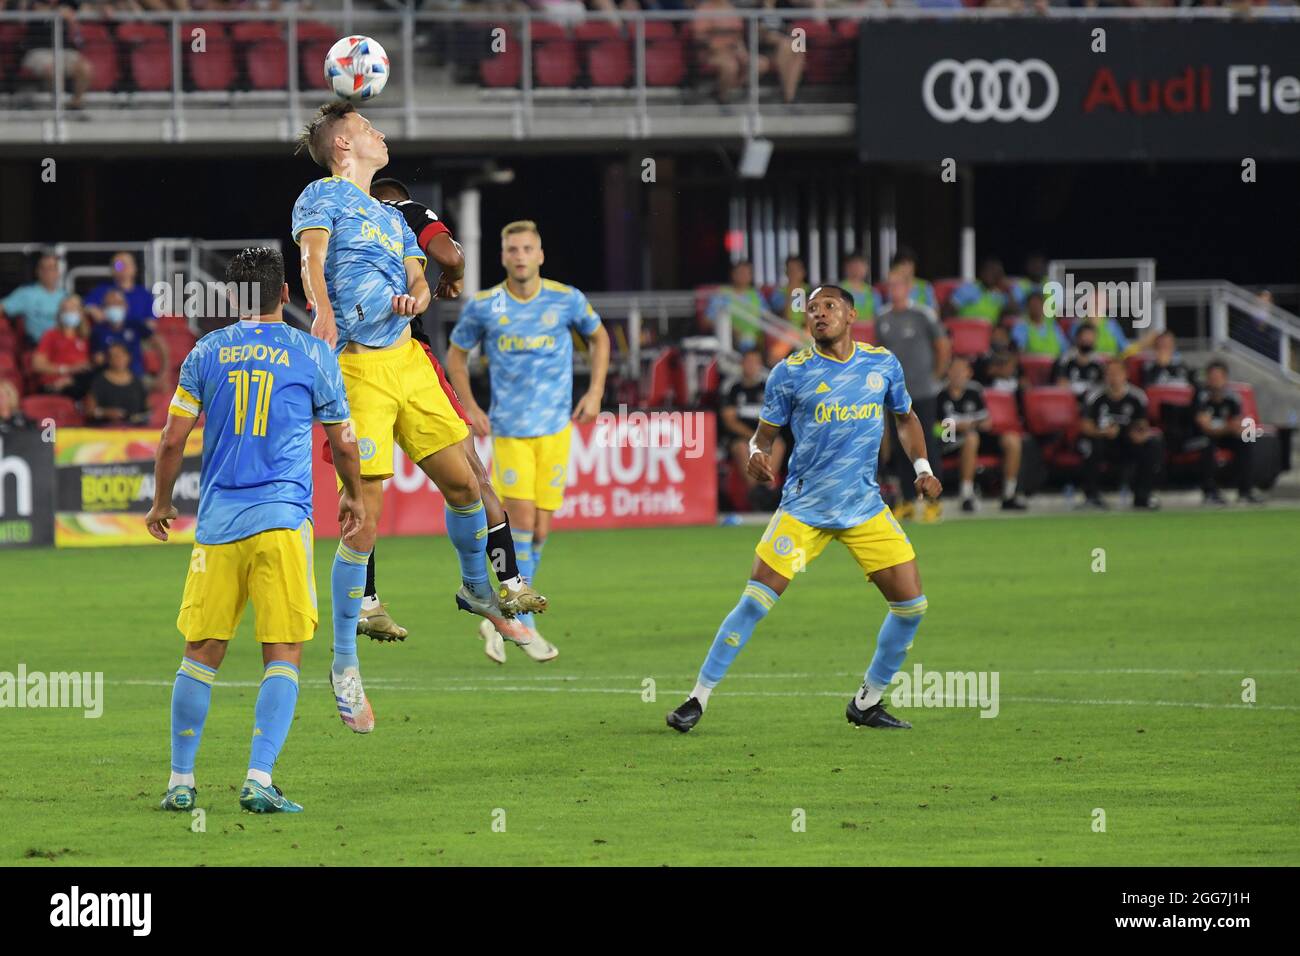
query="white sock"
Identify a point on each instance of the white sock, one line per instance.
(968, 489)
(259, 776)
(868, 696)
(1010, 490)
(369, 602)
(515, 583)
(701, 693)
(180, 780)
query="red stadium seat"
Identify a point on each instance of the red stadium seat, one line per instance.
(846, 29)
(544, 31)
(503, 69)
(659, 30)
(267, 62)
(1158, 396)
(712, 379)
(214, 69)
(151, 66)
(62, 410)
(315, 31)
(1037, 368)
(944, 288)
(152, 362)
(139, 31)
(158, 405)
(1003, 416)
(665, 63)
(1050, 410)
(864, 331)
(609, 63)
(555, 63)
(1133, 366)
(1246, 392)
(8, 364)
(250, 31)
(105, 65)
(173, 323)
(592, 30)
(310, 57)
(212, 30)
(667, 380)
(970, 337)
(92, 31)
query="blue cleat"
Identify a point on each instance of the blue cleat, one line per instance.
(255, 798)
(180, 798)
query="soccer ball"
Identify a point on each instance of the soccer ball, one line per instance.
(356, 68)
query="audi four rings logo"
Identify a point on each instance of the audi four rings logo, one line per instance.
(1005, 102)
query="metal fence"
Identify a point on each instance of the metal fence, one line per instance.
(258, 75)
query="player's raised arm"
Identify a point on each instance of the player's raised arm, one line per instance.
(314, 243)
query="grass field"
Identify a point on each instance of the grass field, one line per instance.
(1119, 690)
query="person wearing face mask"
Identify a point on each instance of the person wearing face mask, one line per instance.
(1081, 369)
(138, 299)
(62, 358)
(114, 329)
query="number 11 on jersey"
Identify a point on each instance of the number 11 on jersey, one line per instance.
(243, 380)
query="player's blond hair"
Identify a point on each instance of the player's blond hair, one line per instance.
(521, 225)
(317, 137)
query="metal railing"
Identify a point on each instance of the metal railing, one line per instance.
(1235, 320)
(448, 50)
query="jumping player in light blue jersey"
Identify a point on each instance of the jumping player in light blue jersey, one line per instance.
(524, 326)
(834, 395)
(363, 273)
(260, 383)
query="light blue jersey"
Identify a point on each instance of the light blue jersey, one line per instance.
(260, 384)
(837, 412)
(530, 353)
(365, 264)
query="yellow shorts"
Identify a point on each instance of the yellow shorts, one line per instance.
(532, 469)
(395, 394)
(788, 545)
(274, 568)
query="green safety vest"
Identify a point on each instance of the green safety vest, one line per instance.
(744, 319)
(988, 307)
(864, 297)
(1107, 344)
(1042, 339)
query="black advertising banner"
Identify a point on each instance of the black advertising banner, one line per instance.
(1023, 89)
(26, 488)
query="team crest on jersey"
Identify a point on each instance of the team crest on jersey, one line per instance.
(875, 381)
(549, 318)
(366, 449)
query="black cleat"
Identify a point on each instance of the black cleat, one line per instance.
(1097, 502)
(1015, 503)
(1213, 498)
(1251, 497)
(686, 716)
(968, 505)
(873, 716)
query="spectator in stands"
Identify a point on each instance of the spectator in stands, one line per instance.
(115, 329)
(62, 358)
(855, 278)
(11, 415)
(1110, 339)
(920, 343)
(1037, 334)
(721, 43)
(782, 300)
(116, 396)
(139, 300)
(922, 292)
(999, 367)
(775, 37)
(741, 404)
(38, 61)
(964, 426)
(1116, 430)
(1217, 415)
(742, 304)
(1034, 280)
(1081, 369)
(37, 303)
(1167, 367)
(986, 298)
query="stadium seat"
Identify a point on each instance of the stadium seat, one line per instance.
(591, 31)
(542, 31)
(846, 29)
(152, 362)
(214, 69)
(159, 402)
(105, 65)
(1004, 418)
(1037, 368)
(1158, 396)
(943, 290)
(831, 64)
(712, 380)
(8, 364)
(1050, 410)
(91, 31)
(267, 63)
(864, 331)
(212, 30)
(665, 62)
(970, 337)
(151, 66)
(609, 63)
(555, 63)
(1133, 366)
(310, 57)
(1246, 393)
(315, 31)
(139, 31)
(659, 30)
(504, 69)
(667, 380)
(40, 407)
(251, 31)
(173, 323)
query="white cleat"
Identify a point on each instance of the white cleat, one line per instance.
(534, 645)
(493, 646)
(350, 697)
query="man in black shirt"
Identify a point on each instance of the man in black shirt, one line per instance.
(1216, 412)
(1081, 368)
(1116, 430)
(964, 425)
(742, 401)
(1168, 367)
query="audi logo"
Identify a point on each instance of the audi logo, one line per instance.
(1016, 92)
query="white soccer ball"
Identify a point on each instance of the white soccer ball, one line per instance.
(356, 68)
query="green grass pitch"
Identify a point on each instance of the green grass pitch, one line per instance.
(1120, 691)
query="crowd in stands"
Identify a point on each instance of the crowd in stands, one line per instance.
(104, 359)
(1003, 389)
